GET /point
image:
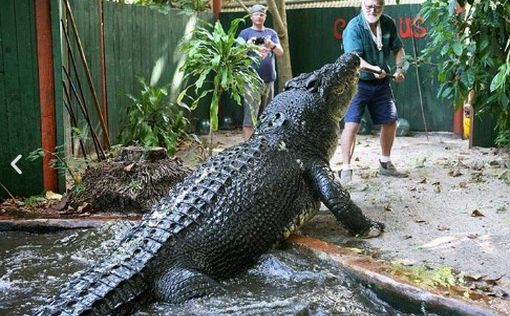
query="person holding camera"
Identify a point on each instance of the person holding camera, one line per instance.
(374, 37)
(268, 47)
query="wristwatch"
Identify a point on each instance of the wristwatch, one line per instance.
(272, 48)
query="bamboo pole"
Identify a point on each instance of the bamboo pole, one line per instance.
(89, 76)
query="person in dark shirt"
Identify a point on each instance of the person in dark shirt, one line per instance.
(374, 37)
(268, 47)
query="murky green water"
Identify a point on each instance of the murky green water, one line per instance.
(284, 282)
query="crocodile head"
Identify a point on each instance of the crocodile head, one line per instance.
(333, 83)
(338, 83)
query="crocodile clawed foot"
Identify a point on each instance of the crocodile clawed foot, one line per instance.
(375, 230)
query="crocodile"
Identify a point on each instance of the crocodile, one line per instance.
(220, 219)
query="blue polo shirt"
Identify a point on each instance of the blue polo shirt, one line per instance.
(357, 38)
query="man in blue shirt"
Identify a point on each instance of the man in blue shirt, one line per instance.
(268, 46)
(374, 37)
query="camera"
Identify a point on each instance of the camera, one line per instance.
(259, 40)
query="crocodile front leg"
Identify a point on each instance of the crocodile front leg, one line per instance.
(339, 202)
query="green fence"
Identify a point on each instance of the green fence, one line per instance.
(139, 42)
(315, 39)
(20, 129)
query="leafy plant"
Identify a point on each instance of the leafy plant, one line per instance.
(471, 50)
(191, 6)
(153, 120)
(59, 162)
(219, 59)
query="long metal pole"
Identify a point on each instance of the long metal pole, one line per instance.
(419, 86)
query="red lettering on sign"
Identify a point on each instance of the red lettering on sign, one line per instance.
(407, 27)
(419, 30)
(404, 28)
(338, 28)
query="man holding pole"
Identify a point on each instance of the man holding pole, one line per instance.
(374, 37)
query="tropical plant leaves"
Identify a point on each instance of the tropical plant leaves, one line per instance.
(153, 120)
(215, 62)
(471, 51)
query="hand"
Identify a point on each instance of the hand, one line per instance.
(399, 75)
(263, 51)
(381, 73)
(268, 43)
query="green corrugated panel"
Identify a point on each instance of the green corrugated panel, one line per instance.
(137, 38)
(438, 112)
(19, 98)
(314, 41)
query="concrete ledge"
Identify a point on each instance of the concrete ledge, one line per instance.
(409, 298)
(48, 225)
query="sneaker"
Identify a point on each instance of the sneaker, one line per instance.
(345, 176)
(388, 169)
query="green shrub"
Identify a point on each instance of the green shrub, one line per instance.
(153, 120)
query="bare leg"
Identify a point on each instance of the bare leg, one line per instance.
(348, 141)
(247, 131)
(387, 137)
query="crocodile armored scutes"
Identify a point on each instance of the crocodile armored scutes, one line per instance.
(233, 208)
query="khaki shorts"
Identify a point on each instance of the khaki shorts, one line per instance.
(255, 102)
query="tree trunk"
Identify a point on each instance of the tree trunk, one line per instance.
(277, 9)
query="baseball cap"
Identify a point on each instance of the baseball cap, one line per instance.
(258, 8)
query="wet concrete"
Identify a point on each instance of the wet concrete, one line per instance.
(408, 297)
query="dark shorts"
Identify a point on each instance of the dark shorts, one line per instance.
(378, 97)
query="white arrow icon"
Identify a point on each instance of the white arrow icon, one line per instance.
(13, 164)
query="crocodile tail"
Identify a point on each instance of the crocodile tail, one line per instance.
(114, 286)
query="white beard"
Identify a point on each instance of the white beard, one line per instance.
(371, 19)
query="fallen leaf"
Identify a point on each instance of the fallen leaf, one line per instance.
(443, 228)
(478, 277)
(495, 163)
(477, 165)
(50, 195)
(476, 213)
(422, 180)
(454, 172)
(129, 167)
(60, 206)
(420, 221)
(388, 208)
(473, 236)
(493, 281)
(437, 186)
(83, 208)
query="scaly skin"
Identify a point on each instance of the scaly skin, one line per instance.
(234, 207)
